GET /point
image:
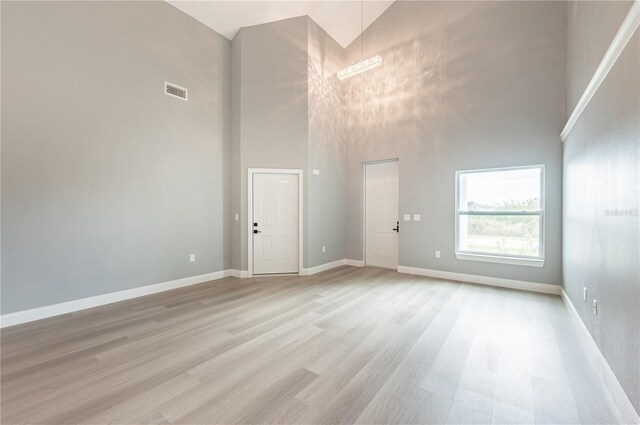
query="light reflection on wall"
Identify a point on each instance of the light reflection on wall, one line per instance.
(326, 106)
(411, 93)
(462, 84)
(453, 74)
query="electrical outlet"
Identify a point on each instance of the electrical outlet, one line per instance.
(416, 217)
(437, 254)
(192, 258)
(584, 294)
(324, 249)
(407, 217)
(315, 171)
(595, 307)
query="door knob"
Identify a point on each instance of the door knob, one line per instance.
(397, 228)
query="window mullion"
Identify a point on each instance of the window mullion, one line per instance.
(506, 213)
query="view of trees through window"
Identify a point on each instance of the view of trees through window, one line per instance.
(505, 234)
(481, 232)
(530, 204)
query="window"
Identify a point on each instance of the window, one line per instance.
(500, 215)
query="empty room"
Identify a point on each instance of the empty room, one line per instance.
(320, 212)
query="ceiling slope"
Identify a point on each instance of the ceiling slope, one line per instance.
(340, 19)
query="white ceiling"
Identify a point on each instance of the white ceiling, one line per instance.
(340, 19)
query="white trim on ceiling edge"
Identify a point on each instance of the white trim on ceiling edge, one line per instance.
(601, 366)
(624, 34)
(522, 285)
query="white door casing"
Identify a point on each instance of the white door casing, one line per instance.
(381, 214)
(275, 223)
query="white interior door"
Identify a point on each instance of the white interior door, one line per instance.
(381, 214)
(275, 223)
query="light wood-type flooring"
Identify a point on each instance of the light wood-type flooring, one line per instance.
(347, 346)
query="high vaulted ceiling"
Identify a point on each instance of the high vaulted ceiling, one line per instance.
(340, 19)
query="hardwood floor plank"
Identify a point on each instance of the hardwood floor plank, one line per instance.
(403, 388)
(349, 345)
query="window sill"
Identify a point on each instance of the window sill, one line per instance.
(503, 260)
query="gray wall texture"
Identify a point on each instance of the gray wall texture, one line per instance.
(288, 113)
(107, 183)
(109, 195)
(327, 141)
(270, 98)
(463, 85)
(601, 227)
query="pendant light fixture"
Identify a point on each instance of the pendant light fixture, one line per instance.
(364, 64)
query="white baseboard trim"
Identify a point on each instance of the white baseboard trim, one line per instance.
(332, 265)
(609, 380)
(522, 285)
(322, 267)
(354, 263)
(19, 317)
(242, 274)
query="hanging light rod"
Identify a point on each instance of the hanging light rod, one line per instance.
(360, 67)
(364, 64)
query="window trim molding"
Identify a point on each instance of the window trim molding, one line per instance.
(488, 258)
(497, 257)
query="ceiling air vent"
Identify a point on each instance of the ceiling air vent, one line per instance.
(175, 91)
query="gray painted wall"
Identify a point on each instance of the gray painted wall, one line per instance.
(139, 154)
(108, 184)
(235, 226)
(601, 227)
(288, 113)
(327, 136)
(271, 98)
(463, 85)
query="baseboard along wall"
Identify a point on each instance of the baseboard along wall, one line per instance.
(38, 313)
(24, 316)
(600, 364)
(522, 285)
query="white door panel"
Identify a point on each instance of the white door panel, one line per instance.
(381, 214)
(275, 218)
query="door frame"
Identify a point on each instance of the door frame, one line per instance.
(364, 205)
(250, 173)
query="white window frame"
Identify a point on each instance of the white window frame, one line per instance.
(520, 260)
